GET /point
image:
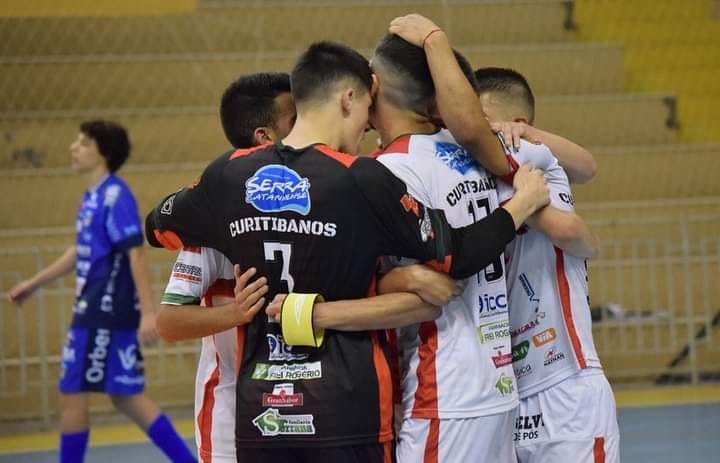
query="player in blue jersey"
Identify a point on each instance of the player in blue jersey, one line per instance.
(113, 304)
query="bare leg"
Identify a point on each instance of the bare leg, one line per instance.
(138, 408)
(74, 415)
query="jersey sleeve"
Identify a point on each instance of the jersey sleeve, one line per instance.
(405, 227)
(559, 185)
(193, 272)
(402, 166)
(190, 216)
(122, 222)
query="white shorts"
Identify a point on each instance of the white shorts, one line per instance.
(481, 439)
(574, 421)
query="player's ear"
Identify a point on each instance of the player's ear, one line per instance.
(263, 135)
(374, 87)
(346, 100)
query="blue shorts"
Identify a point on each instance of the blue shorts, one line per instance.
(102, 360)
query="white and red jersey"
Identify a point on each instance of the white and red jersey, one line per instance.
(205, 276)
(459, 365)
(550, 322)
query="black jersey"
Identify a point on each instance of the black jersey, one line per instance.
(315, 220)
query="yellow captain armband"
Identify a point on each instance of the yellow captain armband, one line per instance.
(296, 320)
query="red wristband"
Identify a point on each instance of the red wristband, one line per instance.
(428, 36)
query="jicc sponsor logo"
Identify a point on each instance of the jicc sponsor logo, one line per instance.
(530, 324)
(287, 372)
(551, 356)
(522, 371)
(528, 427)
(520, 351)
(276, 188)
(96, 372)
(504, 385)
(494, 331)
(279, 351)
(283, 395)
(272, 423)
(454, 156)
(544, 337)
(492, 304)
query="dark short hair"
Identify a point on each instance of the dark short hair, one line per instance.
(508, 82)
(408, 63)
(111, 139)
(324, 65)
(249, 103)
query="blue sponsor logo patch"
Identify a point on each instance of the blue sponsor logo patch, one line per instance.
(454, 156)
(276, 188)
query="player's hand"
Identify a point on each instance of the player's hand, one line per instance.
(432, 287)
(249, 297)
(512, 132)
(275, 308)
(20, 292)
(148, 329)
(413, 28)
(530, 185)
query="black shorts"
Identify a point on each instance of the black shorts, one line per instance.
(368, 453)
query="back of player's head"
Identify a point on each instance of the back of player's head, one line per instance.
(323, 67)
(111, 139)
(249, 103)
(405, 75)
(508, 85)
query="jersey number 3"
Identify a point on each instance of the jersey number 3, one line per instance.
(275, 251)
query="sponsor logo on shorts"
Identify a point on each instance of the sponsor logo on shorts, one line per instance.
(528, 427)
(544, 337)
(96, 372)
(279, 351)
(520, 351)
(276, 188)
(504, 385)
(287, 372)
(455, 157)
(552, 356)
(494, 331)
(530, 324)
(283, 395)
(128, 356)
(272, 423)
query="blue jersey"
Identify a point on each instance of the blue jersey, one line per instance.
(108, 225)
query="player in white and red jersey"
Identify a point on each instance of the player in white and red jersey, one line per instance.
(255, 109)
(567, 410)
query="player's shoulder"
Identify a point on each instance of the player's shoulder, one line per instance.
(240, 153)
(537, 154)
(115, 190)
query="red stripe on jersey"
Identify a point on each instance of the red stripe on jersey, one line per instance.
(432, 443)
(400, 145)
(168, 239)
(426, 395)
(599, 450)
(384, 379)
(238, 153)
(564, 289)
(343, 158)
(204, 418)
(388, 452)
(438, 266)
(193, 249)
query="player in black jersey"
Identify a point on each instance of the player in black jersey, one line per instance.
(315, 220)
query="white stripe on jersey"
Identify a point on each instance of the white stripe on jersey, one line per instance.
(458, 366)
(550, 320)
(203, 274)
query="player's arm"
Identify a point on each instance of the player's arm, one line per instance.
(407, 228)
(181, 319)
(456, 100)
(578, 162)
(141, 278)
(567, 231)
(62, 266)
(189, 216)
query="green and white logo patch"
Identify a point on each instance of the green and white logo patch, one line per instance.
(272, 423)
(287, 372)
(504, 385)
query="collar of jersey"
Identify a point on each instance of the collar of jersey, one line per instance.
(100, 183)
(283, 147)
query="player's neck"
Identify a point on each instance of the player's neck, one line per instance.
(403, 123)
(94, 176)
(314, 127)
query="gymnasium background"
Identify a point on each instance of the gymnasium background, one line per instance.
(636, 81)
